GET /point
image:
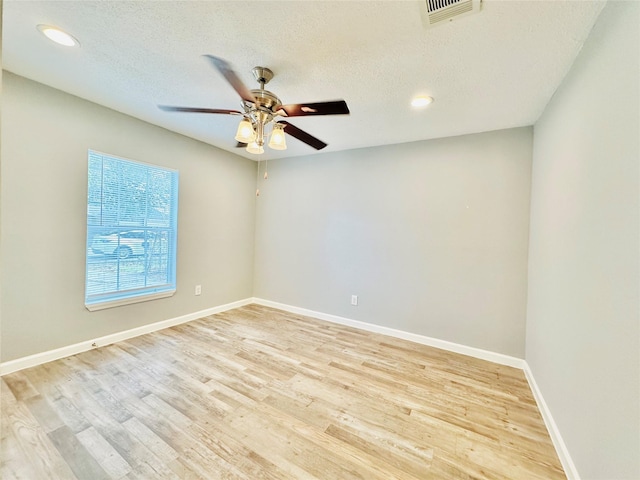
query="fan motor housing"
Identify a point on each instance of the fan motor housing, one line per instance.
(264, 98)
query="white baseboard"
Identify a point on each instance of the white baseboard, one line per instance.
(561, 449)
(392, 332)
(44, 357)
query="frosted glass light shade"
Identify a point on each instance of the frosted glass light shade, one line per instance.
(277, 141)
(245, 133)
(253, 147)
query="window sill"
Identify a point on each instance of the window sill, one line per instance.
(92, 307)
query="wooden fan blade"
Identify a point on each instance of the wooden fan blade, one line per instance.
(241, 145)
(168, 108)
(338, 107)
(303, 136)
(227, 72)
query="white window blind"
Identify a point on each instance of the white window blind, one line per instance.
(132, 231)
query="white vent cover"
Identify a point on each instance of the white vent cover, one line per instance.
(446, 10)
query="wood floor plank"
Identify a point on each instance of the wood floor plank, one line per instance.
(70, 414)
(14, 462)
(6, 395)
(20, 386)
(47, 417)
(144, 471)
(76, 455)
(102, 451)
(46, 379)
(257, 393)
(154, 443)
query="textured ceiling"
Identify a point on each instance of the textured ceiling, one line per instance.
(492, 70)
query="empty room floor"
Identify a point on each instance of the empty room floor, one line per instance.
(260, 393)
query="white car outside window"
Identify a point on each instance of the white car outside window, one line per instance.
(125, 244)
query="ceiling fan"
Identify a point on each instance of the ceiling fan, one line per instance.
(261, 107)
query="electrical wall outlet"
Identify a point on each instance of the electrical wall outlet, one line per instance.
(198, 289)
(354, 299)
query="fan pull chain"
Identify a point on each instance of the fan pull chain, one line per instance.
(257, 180)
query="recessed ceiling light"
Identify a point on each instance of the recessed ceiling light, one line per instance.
(56, 35)
(421, 101)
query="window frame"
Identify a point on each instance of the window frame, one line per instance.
(116, 297)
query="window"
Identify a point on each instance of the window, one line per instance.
(132, 230)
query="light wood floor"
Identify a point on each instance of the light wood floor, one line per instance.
(259, 393)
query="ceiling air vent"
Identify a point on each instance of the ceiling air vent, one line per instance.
(446, 10)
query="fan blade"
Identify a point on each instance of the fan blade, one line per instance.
(303, 136)
(241, 145)
(227, 72)
(338, 107)
(168, 108)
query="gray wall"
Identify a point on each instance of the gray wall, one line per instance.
(583, 325)
(45, 137)
(432, 236)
